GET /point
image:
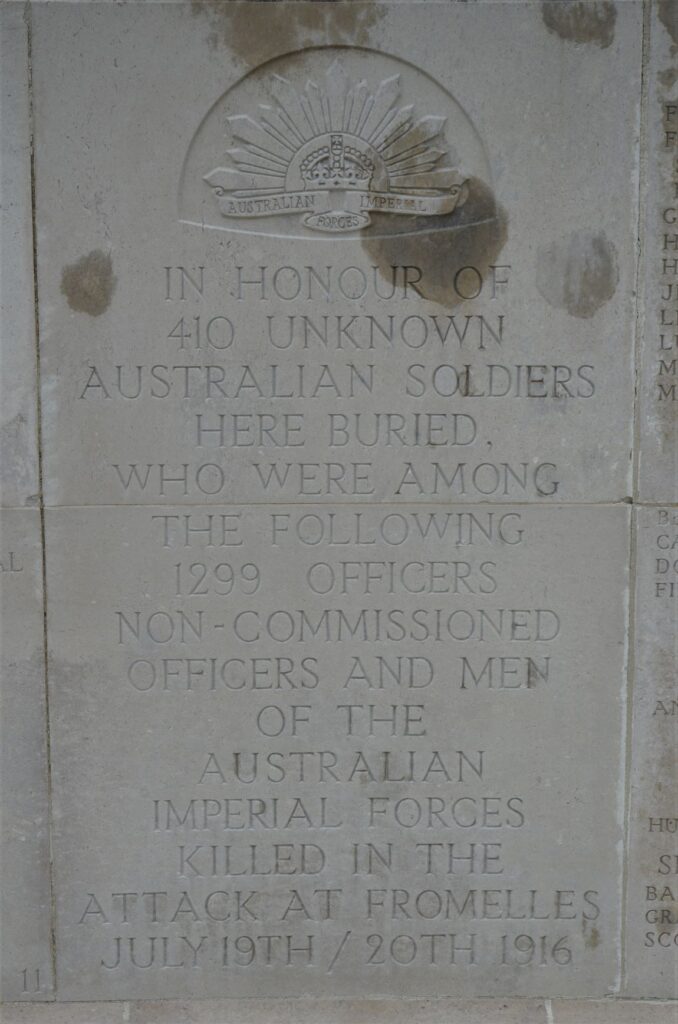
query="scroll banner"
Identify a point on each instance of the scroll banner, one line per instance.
(242, 204)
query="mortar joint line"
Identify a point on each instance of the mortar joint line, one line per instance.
(640, 278)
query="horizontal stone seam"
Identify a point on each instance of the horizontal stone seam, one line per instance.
(351, 504)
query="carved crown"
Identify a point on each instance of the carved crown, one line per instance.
(337, 166)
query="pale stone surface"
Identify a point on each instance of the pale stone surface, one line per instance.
(146, 89)
(25, 905)
(652, 903)
(161, 699)
(658, 381)
(294, 1011)
(614, 1011)
(18, 403)
(66, 1013)
(25, 900)
(289, 1011)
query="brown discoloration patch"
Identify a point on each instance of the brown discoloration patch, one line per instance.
(580, 22)
(287, 26)
(668, 15)
(578, 273)
(89, 284)
(592, 940)
(472, 236)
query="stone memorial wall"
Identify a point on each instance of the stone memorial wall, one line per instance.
(340, 511)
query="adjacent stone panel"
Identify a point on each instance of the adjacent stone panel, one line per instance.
(25, 903)
(651, 939)
(25, 898)
(652, 919)
(302, 750)
(18, 402)
(456, 328)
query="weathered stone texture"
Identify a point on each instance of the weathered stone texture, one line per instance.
(357, 325)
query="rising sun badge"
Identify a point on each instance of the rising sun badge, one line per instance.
(334, 153)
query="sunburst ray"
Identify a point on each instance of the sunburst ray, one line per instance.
(368, 130)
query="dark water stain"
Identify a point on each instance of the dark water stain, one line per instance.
(581, 22)
(668, 15)
(471, 236)
(592, 940)
(89, 284)
(578, 274)
(287, 26)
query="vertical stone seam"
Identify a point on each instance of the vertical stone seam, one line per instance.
(640, 276)
(41, 495)
(641, 270)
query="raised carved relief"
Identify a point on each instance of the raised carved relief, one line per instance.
(335, 151)
(328, 141)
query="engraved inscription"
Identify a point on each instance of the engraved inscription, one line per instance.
(345, 805)
(336, 538)
(653, 849)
